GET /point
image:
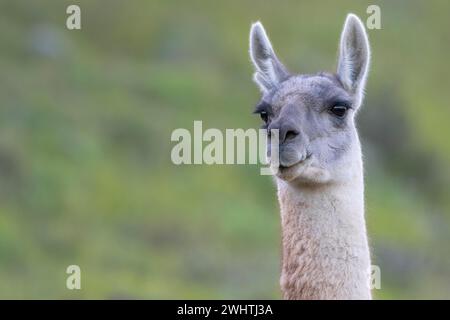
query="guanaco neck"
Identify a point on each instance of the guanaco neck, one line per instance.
(325, 250)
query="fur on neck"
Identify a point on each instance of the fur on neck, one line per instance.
(325, 249)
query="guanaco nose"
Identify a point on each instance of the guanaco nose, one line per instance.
(286, 129)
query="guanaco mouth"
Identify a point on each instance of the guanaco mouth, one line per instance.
(301, 161)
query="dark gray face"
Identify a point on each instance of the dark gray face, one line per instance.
(314, 114)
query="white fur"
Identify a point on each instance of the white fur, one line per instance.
(325, 248)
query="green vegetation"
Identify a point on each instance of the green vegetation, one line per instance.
(85, 124)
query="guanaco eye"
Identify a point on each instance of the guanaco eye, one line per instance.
(339, 111)
(264, 116)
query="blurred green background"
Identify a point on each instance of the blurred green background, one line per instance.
(85, 124)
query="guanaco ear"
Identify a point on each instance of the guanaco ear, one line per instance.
(269, 70)
(354, 57)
